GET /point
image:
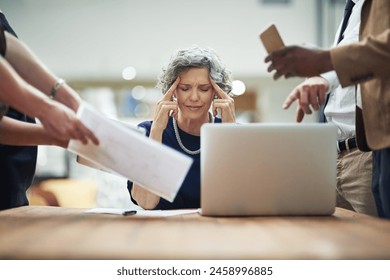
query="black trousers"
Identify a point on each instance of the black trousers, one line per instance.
(381, 181)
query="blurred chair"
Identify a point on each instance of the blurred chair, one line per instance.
(69, 193)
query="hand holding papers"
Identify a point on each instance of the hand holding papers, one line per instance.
(126, 152)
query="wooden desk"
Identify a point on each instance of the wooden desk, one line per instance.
(40, 232)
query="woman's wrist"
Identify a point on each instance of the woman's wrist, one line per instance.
(156, 133)
(69, 97)
(144, 198)
(42, 103)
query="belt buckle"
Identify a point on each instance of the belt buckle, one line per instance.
(347, 145)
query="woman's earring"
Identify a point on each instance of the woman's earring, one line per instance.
(174, 99)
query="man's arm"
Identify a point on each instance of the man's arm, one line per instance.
(353, 63)
(298, 61)
(362, 61)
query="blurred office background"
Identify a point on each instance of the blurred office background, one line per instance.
(111, 52)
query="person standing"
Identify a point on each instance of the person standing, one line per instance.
(365, 63)
(354, 167)
(17, 163)
(18, 156)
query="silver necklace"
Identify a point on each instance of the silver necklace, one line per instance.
(179, 139)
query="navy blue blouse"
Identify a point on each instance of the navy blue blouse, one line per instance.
(189, 192)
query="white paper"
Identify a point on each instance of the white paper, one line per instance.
(156, 167)
(92, 164)
(141, 212)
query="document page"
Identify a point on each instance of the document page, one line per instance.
(156, 167)
(142, 212)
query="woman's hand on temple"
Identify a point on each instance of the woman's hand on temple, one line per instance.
(224, 103)
(165, 107)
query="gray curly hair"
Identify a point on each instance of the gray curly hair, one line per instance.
(195, 57)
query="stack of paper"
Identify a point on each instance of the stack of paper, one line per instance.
(156, 167)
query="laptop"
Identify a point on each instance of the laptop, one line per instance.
(268, 169)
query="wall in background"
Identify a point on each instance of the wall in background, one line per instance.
(96, 39)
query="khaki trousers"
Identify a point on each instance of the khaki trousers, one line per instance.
(354, 177)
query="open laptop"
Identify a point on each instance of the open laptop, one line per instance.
(268, 169)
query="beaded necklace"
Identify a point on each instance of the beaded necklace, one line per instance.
(175, 128)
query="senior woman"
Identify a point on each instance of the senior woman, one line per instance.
(195, 85)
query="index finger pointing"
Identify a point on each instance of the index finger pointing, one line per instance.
(290, 99)
(221, 94)
(168, 95)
